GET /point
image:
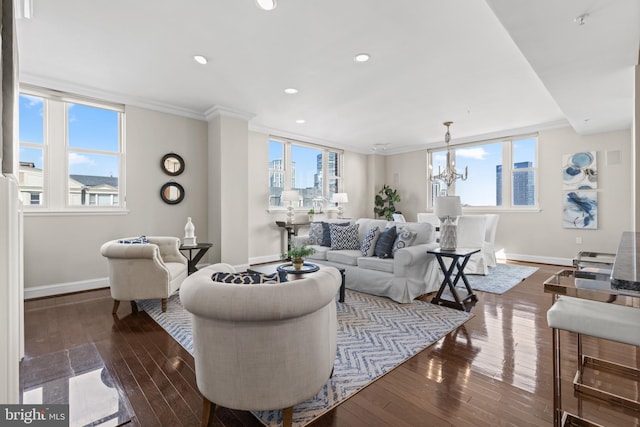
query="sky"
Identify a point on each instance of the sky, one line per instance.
(89, 127)
(305, 158)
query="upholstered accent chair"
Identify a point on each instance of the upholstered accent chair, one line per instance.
(261, 346)
(144, 270)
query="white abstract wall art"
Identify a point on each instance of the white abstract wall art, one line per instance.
(580, 210)
(579, 171)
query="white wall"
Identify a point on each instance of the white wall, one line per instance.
(62, 251)
(539, 236)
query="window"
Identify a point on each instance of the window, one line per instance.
(71, 151)
(488, 179)
(312, 170)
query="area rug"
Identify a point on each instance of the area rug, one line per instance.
(500, 279)
(375, 335)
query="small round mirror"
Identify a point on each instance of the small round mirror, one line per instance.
(172, 193)
(172, 164)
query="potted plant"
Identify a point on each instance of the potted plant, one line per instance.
(311, 213)
(297, 254)
(385, 202)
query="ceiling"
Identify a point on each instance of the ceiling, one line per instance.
(493, 68)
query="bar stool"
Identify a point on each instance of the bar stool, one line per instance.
(600, 320)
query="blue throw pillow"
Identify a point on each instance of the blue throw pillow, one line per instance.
(315, 233)
(384, 245)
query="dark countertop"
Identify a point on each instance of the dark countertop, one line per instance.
(626, 267)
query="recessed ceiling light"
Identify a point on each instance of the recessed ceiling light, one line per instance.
(291, 91)
(266, 4)
(300, 121)
(362, 57)
(200, 59)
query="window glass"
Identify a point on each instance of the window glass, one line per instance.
(276, 172)
(31, 155)
(524, 162)
(486, 178)
(481, 187)
(93, 133)
(306, 173)
(71, 153)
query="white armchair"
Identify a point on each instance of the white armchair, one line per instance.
(144, 270)
(261, 347)
(471, 234)
(489, 249)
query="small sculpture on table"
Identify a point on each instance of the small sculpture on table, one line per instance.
(189, 234)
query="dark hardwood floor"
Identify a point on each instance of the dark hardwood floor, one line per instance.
(494, 370)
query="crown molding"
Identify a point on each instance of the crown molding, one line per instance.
(221, 111)
(65, 86)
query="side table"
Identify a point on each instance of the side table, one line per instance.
(194, 258)
(456, 255)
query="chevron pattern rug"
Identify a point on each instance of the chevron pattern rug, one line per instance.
(375, 335)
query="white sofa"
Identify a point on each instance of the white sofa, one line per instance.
(410, 273)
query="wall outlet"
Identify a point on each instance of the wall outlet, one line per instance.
(578, 240)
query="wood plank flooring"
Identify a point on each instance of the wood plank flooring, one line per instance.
(494, 370)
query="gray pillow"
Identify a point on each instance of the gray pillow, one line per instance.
(384, 245)
(315, 233)
(368, 245)
(404, 239)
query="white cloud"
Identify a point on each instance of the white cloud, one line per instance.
(477, 153)
(79, 159)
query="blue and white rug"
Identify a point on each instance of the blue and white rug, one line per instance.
(375, 335)
(500, 279)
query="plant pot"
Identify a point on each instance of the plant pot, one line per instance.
(297, 263)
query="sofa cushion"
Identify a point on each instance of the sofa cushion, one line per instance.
(320, 252)
(378, 264)
(326, 232)
(404, 239)
(244, 278)
(384, 245)
(315, 233)
(344, 236)
(369, 241)
(367, 223)
(344, 256)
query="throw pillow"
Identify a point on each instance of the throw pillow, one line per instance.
(140, 240)
(344, 236)
(244, 278)
(315, 233)
(369, 242)
(326, 232)
(404, 239)
(384, 245)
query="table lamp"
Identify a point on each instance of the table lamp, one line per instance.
(290, 196)
(448, 208)
(340, 198)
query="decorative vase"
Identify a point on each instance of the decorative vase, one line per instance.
(189, 233)
(297, 263)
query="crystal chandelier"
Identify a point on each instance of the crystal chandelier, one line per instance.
(449, 174)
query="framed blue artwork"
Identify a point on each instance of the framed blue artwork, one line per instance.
(580, 210)
(579, 171)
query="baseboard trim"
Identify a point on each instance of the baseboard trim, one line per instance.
(65, 288)
(536, 259)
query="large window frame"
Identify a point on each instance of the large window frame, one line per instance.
(505, 173)
(56, 151)
(285, 170)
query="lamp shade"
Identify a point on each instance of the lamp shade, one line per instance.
(290, 196)
(448, 206)
(339, 198)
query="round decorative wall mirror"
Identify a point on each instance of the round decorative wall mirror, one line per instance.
(172, 193)
(172, 164)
